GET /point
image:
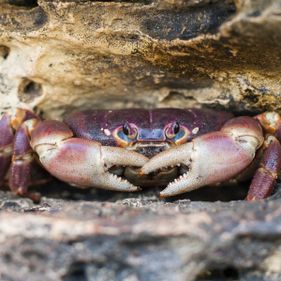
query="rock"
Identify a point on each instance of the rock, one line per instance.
(59, 56)
(137, 237)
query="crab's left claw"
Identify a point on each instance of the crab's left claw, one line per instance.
(211, 158)
(81, 162)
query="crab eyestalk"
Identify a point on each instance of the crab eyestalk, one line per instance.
(82, 162)
(211, 158)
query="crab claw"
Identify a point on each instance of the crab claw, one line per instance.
(81, 162)
(212, 158)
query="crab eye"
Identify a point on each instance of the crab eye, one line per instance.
(126, 134)
(129, 130)
(177, 133)
(126, 128)
(172, 130)
(176, 127)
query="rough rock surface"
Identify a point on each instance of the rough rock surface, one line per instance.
(58, 56)
(105, 236)
(61, 55)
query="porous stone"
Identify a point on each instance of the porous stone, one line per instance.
(60, 56)
(57, 56)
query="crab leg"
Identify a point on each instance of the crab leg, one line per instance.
(19, 149)
(20, 177)
(79, 161)
(211, 158)
(6, 146)
(16, 153)
(265, 177)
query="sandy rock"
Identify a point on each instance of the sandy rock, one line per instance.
(57, 56)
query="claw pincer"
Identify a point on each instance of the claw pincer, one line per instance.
(212, 158)
(81, 162)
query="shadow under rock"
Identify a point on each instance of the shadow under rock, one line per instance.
(59, 190)
(59, 193)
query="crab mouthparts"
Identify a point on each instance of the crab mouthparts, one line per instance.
(146, 148)
(149, 149)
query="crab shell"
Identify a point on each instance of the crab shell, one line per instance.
(151, 133)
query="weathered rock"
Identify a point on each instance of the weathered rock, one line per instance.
(58, 56)
(138, 237)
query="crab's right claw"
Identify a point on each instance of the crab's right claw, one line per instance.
(81, 162)
(211, 158)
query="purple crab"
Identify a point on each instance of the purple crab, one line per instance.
(125, 150)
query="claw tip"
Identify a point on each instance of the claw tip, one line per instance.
(141, 173)
(251, 198)
(163, 195)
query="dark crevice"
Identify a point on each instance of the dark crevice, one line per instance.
(77, 271)
(214, 274)
(188, 23)
(61, 190)
(24, 3)
(23, 17)
(144, 2)
(177, 95)
(28, 90)
(4, 51)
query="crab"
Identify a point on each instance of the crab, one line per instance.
(126, 150)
